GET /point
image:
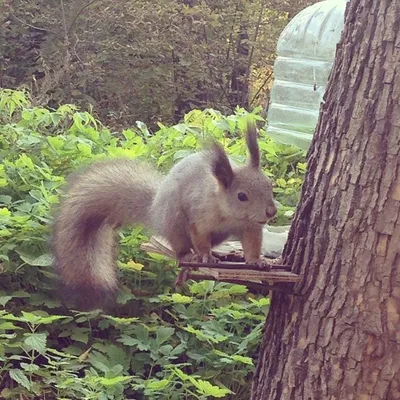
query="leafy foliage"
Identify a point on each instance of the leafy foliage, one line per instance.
(158, 343)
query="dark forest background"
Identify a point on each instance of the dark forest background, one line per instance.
(140, 59)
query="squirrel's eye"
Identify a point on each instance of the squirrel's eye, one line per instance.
(242, 196)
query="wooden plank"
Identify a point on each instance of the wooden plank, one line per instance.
(249, 275)
(236, 265)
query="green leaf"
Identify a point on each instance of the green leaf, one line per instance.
(237, 289)
(36, 341)
(9, 336)
(25, 161)
(128, 133)
(51, 318)
(29, 367)
(20, 378)
(104, 324)
(81, 336)
(26, 115)
(21, 294)
(280, 182)
(163, 334)
(99, 361)
(207, 389)
(11, 107)
(85, 149)
(37, 319)
(4, 300)
(242, 359)
(4, 212)
(203, 336)
(201, 288)
(131, 341)
(157, 385)
(56, 142)
(8, 325)
(5, 199)
(181, 374)
(122, 321)
(29, 317)
(178, 298)
(114, 381)
(45, 260)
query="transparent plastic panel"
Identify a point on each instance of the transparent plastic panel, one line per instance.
(306, 51)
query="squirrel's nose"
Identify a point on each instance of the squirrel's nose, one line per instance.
(271, 211)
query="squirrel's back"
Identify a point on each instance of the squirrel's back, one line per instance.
(99, 199)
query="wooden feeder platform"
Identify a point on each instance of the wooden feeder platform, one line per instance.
(231, 268)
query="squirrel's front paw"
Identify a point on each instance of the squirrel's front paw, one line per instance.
(190, 257)
(205, 258)
(261, 262)
(199, 258)
(208, 258)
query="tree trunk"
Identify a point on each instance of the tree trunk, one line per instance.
(338, 337)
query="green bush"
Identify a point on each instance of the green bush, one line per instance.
(199, 343)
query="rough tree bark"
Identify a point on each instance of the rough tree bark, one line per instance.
(339, 336)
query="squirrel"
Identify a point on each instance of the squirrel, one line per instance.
(204, 199)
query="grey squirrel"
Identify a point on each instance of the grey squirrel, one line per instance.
(204, 199)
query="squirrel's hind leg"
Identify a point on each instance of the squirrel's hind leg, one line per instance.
(181, 245)
(184, 243)
(201, 245)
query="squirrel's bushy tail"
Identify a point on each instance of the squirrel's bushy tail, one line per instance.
(98, 200)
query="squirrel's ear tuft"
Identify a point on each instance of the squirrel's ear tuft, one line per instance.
(221, 166)
(252, 144)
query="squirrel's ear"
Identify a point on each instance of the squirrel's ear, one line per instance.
(221, 166)
(252, 144)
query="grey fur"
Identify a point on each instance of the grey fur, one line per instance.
(252, 144)
(99, 199)
(201, 191)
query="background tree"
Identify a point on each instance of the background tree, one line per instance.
(338, 337)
